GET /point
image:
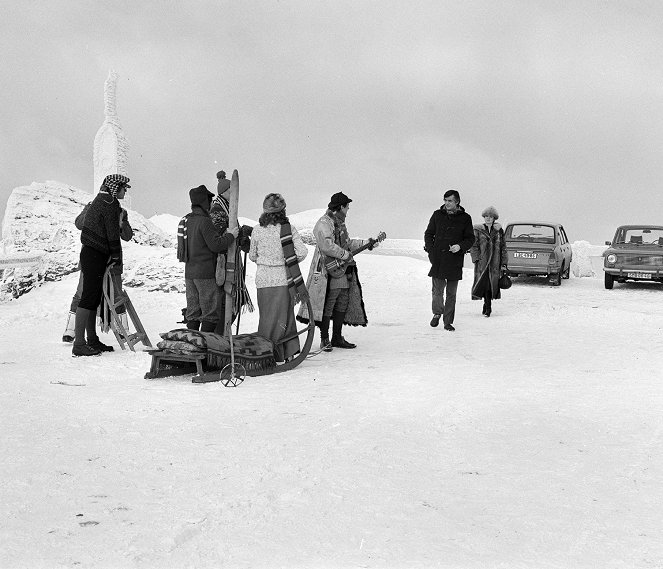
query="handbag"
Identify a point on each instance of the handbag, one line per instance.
(504, 282)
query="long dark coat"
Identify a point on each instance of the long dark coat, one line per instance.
(488, 255)
(446, 229)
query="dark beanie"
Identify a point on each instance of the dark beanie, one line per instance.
(200, 196)
(454, 193)
(337, 199)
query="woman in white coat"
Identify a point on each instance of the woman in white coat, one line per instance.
(277, 249)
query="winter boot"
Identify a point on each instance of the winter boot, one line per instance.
(325, 344)
(338, 341)
(206, 326)
(69, 331)
(487, 308)
(435, 320)
(91, 331)
(80, 348)
(193, 324)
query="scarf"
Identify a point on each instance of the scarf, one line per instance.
(182, 250)
(296, 284)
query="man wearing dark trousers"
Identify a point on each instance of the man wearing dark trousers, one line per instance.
(198, 243)
(447, 238)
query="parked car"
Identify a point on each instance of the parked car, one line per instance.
(538, 248)
(634, 254)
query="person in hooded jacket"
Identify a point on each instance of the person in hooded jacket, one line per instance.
(198, 243)
(447, 238)
(489, 257)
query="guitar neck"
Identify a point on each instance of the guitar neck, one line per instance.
(360, 249)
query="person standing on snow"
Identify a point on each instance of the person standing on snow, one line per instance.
(277, 249)
(198, 243)
(489, 257)
(126, 233)
(447, 238)
(219, 212)
(101, 248)
(338, 298)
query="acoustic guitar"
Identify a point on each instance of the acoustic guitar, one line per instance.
(336, 267)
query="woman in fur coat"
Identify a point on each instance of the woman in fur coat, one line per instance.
(489, 258)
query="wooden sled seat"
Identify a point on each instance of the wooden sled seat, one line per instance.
(179, 359)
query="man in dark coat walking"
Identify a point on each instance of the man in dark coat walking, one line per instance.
(447, 238)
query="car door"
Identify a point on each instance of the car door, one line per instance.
(568, 254)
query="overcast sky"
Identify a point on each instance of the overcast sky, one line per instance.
(547, 110)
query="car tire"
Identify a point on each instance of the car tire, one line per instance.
(556, 279)
(608, 280)
(566, 272)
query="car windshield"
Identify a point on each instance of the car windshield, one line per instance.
(531, 233)
(639, 236)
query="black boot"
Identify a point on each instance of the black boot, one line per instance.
(487, 308)
(91, 331)
(193, 325)
(206, 326)
(80, 348)
(325, 344)
(338, 341)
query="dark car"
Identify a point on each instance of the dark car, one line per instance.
(634, 254)
(538, 248)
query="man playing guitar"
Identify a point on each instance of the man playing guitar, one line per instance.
(333, 283)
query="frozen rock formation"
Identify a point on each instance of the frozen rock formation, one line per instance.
(39, 221)
(111, 147)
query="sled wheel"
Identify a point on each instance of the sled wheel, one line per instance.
(232, 375)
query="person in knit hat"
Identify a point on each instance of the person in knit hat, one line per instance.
(219, 212)
(277, 249)
(334, 298)
(101, 247)
(198, 243)
(126, 234)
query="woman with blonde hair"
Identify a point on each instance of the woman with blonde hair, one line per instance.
(277, 249)
(489, 257)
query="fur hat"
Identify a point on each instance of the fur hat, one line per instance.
(113, 183)
(490, 210)
(273, 203)
(200, 196)
(338, 198)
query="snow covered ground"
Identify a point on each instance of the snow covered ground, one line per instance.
(530, 439)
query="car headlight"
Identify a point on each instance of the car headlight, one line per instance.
(612, 259)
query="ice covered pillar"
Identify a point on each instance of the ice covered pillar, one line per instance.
(111, 148)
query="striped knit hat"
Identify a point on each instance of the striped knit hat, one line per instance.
(113, 182)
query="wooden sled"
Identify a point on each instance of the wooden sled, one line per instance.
(182, 364)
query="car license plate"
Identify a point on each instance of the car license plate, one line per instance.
(524, 255)
(639, 275)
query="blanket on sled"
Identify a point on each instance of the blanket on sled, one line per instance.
(250, 350)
